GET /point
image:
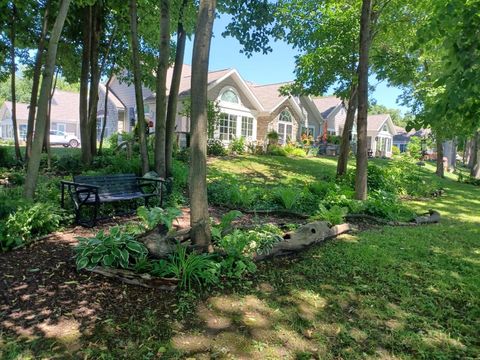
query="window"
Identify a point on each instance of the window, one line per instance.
(230, 96)
(384, 127)
(285, 126)
(247, 127)
(22, 131)
(310, 131)
(227, 126)
(60, 127)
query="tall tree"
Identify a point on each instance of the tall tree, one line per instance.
(174, 88)
(363, 65)
(37, 71)
(85, 134)
(47, 79)
(137, 80)
(13, 67)
(199, 218)
(161, 93)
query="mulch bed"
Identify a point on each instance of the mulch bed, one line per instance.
(42, 293)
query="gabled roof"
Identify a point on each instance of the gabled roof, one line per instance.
(269, 95)
(326, 105)
(375, 123)
(65, 107)
(112, 97)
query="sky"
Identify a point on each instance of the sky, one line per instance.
(274, 67)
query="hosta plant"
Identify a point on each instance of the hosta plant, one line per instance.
(116, 249)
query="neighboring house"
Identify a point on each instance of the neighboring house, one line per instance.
(332, 109)
(64, 115)
(403, 137)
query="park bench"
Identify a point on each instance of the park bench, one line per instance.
(96, 190)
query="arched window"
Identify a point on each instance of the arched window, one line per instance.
(230, 96)
(285, 126)
(285, 116)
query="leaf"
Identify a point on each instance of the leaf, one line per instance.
(136, 247)
(108, 260)
(82, 263)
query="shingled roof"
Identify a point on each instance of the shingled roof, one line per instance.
(326, 104)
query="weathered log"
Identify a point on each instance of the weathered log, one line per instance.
(160, 246)
(144, 280)
(305, 236)
(431, 217)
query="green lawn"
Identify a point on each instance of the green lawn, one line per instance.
(385, 293)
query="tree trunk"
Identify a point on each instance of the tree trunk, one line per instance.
(94, 74)
(46, 139)
(174, 88)
(475, 171)
(362, 156)
(347, 131)
(440, 169)
(34, 160)
(105, 112)
(137, 80)
(37, 70)
(84, 73)
(18, 154)
(199, 218)
(161, 88)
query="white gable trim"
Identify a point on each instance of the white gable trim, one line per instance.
(390, 125)
(295, 107)
(242, 84)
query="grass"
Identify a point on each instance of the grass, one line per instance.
(386, 293)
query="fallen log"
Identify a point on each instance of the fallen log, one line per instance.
(144, 280)
(431, 217)
(161, 245)
(304, 237)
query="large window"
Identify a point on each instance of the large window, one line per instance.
(23, 131)
(227, 126)
(310, 131)
(230, 96)
(247, 127)
(285, 126)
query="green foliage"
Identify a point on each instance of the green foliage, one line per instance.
(117, 249)
(395, 114)
(238, 145)
(395, 150)
(414, 148)
(295, 151)
(273, 137)
(215, 148)
(387, 206)
(276, 150)
(213, 114)
(334, 139)
(467, 179)
(152, 217)
(69, 163)
(6, 157)
(225, 223)
(238, 261)
(334, 216)
(27, 223)
(189, 268)
(287, 197)
(229, 192)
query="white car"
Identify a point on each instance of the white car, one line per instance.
(61, 138)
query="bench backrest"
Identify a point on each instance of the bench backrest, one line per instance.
(111, 184)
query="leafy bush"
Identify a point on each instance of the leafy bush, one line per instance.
(229, 192)
(295, 151)
(321, 188)
(152, 217)
(188, 268)
(238, 145)
(334, 216)
(395, 150)
(115, 249)
(287, 197)
(225, 223)
(6, 157)
(69, 163)
(273, 137)
(467, 179)
(215, 148)
(27, 223)
(334, 139)
(387, 206)
(276, 150)
(238, 261)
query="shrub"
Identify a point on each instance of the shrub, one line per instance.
(215, 148)
(115, 249)
(321, 188)
(287, 197)
(387, 206)
(229, 192)
(225, 223)
(6, 157)
(334, 139)
(238, 261)
(188, 268)
(180, 175)
(334, 216)
(295, 151)
(395, 150)
(70, 163)
(152, 217)
(238, 145)
(467, 179)
(29, 222)
(273, 137)
(276, 150)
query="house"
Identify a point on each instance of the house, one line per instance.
(64, 115)
(333, 110)
(403, 136)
